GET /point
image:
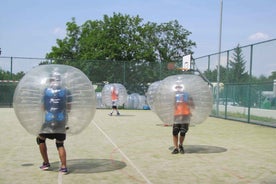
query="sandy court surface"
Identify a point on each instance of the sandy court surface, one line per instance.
(136, 148)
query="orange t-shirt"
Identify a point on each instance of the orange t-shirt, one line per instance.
(114, 95)
(182, 104)
(182, 108)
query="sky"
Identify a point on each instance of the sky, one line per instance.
(30, 28)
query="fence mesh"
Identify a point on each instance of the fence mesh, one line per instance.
(243, 100)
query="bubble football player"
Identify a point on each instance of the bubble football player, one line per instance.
(182, 115)
(56, 104)
(114, 100)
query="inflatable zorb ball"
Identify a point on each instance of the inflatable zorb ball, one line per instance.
(29, 94)
(99, 100)
(195, 86)
(133, 101)
(119, 89)
(150, 95)
(142, 101)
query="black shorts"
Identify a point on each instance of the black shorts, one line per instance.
(182, 119)
(181, 127)
(114, 104)
(57, 136)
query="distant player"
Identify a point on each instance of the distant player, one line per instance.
(114, 100)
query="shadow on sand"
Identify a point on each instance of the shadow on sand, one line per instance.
(80, 166)
(203, 149)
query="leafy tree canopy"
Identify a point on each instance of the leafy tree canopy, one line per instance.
(122, 38)
(122, 45)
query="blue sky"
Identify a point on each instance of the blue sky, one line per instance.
(30, 28)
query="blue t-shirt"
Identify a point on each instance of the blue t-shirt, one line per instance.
(55, 102)
(181, 97)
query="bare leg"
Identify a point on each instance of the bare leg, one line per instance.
(175, 141)
(181, 140)
(62, 156)
(43, 151)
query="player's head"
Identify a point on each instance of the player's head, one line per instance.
(178, 87)
(55, 79)
(113, 88)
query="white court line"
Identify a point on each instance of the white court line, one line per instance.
(124, 155)
(59, 178)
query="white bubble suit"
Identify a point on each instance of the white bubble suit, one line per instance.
(152, 89)
(195, 86)
(142, 102)
(133, 101)
(106, 94)
(27, 99)
(99, 100)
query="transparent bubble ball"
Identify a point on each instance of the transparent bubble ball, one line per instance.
(198, 89)
(150, 94)
(28, 95)
(120, 90)
(133, 101)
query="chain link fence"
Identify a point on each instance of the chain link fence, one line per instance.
(246, 101)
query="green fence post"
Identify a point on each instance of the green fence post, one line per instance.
(11, 69)
(124, 73)
(208, 63)
(250, 77)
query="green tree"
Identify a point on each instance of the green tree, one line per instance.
(237, 73)
(211, 75)
(272, 76)
(169, 40)
(116, 38)
(5, 75)
(120, 46)
(67, 49)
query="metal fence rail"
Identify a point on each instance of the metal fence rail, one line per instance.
(246, 101)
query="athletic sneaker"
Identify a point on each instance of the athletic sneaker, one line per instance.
(175, 151)
(45, 166)
(110, 114)
(118, 114)
(63, 170)
(181, 149)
